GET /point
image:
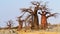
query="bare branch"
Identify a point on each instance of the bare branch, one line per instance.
(48, 12)
(44, 7)
(29, 10)
(27, 18)
(24, 9)
(21, 15)
(35, 3)
(51, 15)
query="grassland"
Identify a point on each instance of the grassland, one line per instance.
(54, 30)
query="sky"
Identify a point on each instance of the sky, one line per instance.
(10, 9)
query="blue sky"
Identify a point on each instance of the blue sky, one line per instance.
(9, 9)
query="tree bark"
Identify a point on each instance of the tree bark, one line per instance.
(36, 23)
(20, 25)
(35, 18)
(43, 22)
(32, 23)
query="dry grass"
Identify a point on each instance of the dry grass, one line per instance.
(27, 32)
(38, 32)
(55, 30)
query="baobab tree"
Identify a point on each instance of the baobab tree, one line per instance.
(10, 24)
(20, 22)
(34, 13)
(26, 22)
(44, 16)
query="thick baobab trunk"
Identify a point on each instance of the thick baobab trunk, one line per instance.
(43, 22)
(35, 18)
(20, 26)
(36, 24)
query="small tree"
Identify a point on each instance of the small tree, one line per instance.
(10, 24)
(20, 22)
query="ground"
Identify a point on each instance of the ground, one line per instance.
(54, 30)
